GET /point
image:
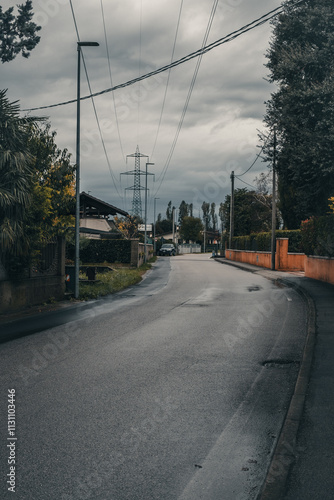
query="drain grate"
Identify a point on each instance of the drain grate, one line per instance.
(280, 363)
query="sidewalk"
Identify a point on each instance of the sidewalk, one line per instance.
(302, 464)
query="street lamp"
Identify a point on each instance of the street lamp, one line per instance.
(77, 177)
(145, 256)
(154, 242)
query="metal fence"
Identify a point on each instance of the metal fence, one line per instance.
(189, 248)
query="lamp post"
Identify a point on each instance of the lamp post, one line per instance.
(145, 256)
(77, 177)
(154, 242)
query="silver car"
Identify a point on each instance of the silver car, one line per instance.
(167, 249)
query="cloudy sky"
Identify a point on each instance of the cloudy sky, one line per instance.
(220, 128)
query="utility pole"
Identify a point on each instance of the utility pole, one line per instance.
(145, 241)
(231, 210)
(273, 214)
(173, 212)
(77, 176)
(154, 228)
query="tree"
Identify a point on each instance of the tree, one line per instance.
(213, 215)
(300, 60)
(331, 205)
(251, 215)
(18, 33)
(169, 211)
(206, 215)
(128, 226)
(163, 226)
(53, 197)
(191, 229)
(183, 211)
(16, 175)
(222, 215)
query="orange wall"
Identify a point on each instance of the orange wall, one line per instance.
(284, 261)
(262, 259)
(320, 268)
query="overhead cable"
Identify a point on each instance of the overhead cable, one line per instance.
(111, 82)
(228, 38)
(168, 78)
(192, 84)
(252, 165)
(237, 177)
(94, 107)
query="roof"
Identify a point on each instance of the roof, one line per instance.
(93, 206)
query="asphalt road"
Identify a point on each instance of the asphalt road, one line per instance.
(174, 389)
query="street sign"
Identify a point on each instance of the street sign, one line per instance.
(141, 227)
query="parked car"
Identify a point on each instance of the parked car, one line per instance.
(167, 249)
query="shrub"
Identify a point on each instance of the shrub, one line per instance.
(318, 236)
(99, 251)
(261, 242)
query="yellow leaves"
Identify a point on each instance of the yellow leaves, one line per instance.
(128, 226)
(42, 200)
(331, 204)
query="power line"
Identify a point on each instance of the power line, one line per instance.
(94, 107)
(228, 38)
(192, 84)
(139, 66)
(237, 177)
(168, 78)
(111, 81)
(252, 165)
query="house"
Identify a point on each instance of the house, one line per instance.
(95, 221)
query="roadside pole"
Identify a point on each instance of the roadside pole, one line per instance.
(231, 210)
(273, 214)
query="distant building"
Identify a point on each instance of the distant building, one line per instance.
(95, 221)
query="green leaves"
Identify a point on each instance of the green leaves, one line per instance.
(301, 62)
(17, 33)
(191, 229)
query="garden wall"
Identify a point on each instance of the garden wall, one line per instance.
(41, 283)
(320, 268)
(284, 261)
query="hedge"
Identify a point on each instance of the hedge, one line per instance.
(318, 236)
(261, 242)
(99, 251)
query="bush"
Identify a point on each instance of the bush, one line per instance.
(261, 242)
(99, 251)
(318, 236)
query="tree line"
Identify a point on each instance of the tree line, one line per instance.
(252, 211)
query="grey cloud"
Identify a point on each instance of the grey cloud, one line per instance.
(225, 110)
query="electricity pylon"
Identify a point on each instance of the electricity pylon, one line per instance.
(136, 188)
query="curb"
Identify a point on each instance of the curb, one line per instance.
(284, 455)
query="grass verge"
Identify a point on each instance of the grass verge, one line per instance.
(111, 282)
